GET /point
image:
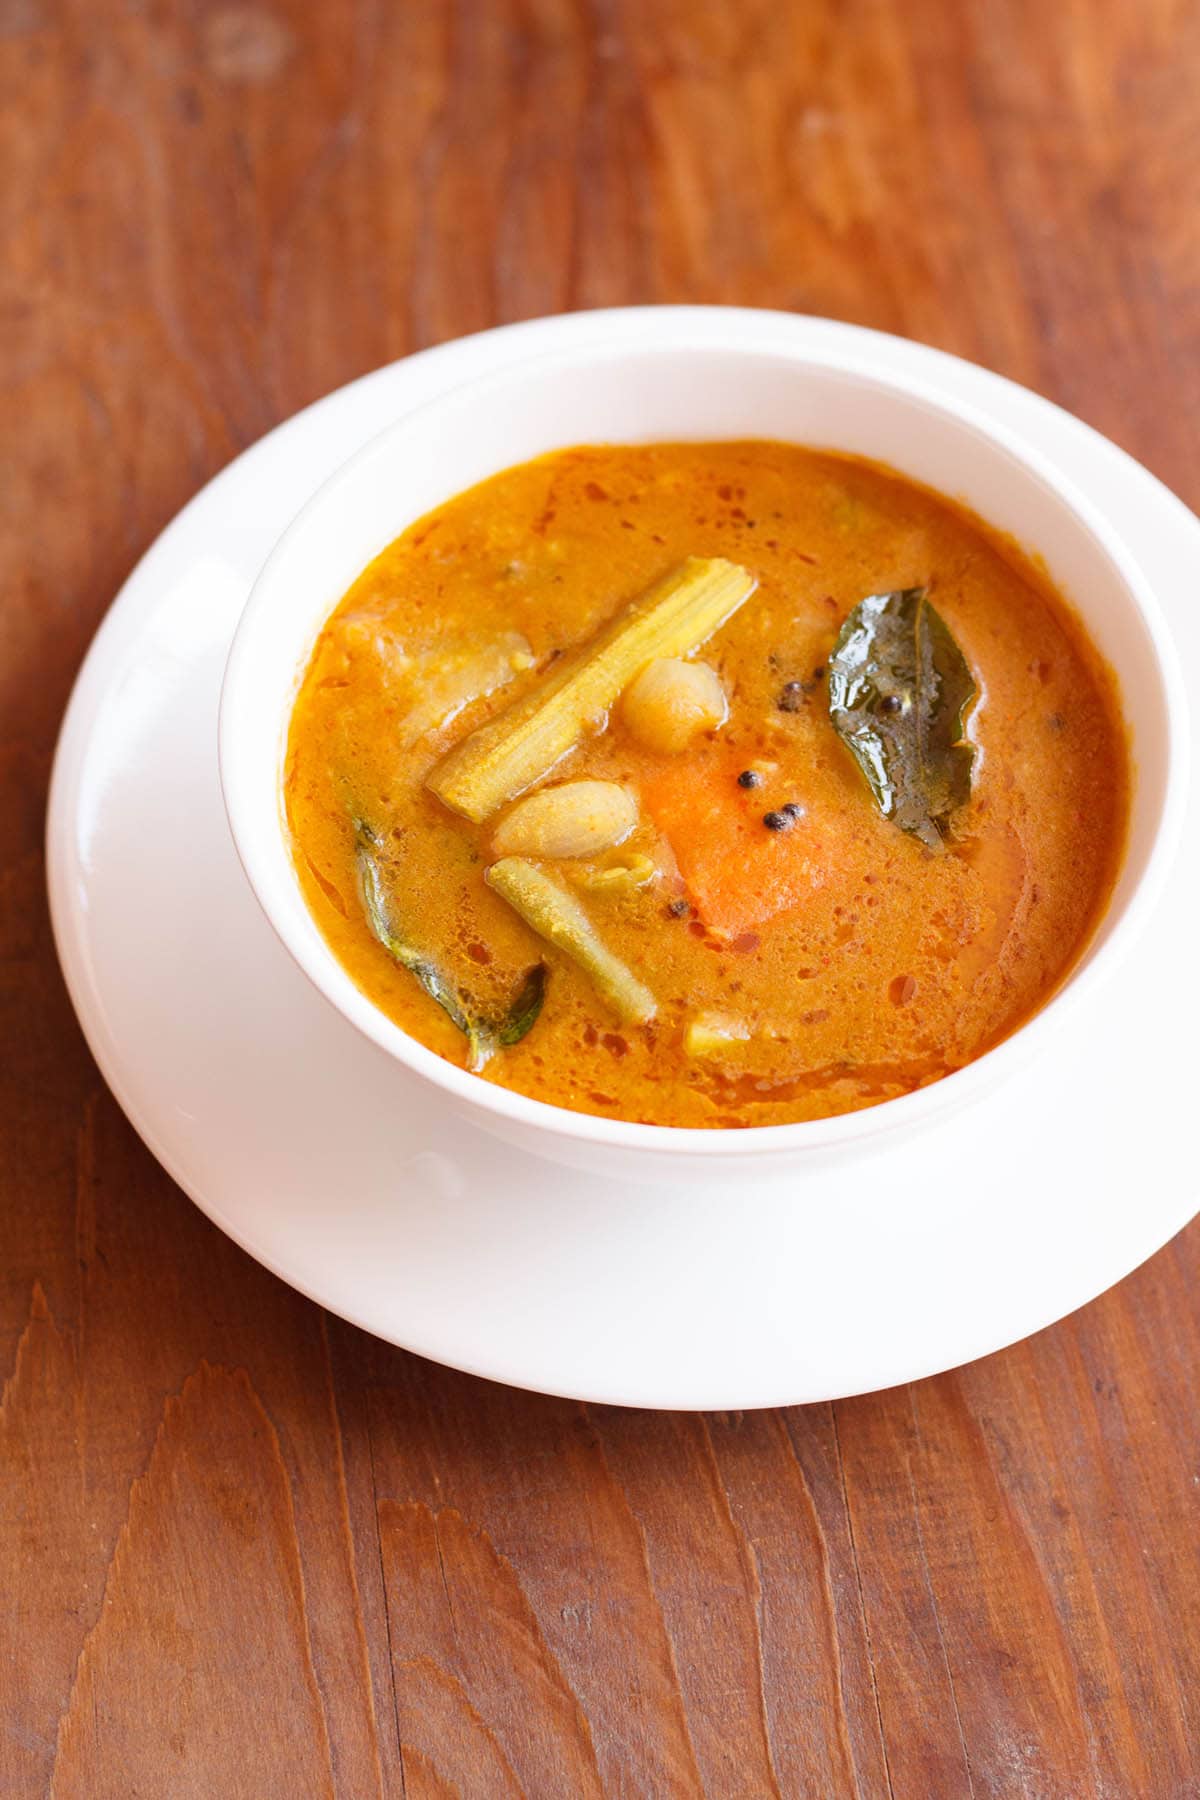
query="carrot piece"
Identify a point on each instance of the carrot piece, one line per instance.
(739, 874)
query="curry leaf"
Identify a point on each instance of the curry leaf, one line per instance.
(898, 689)
(523, 1012)
(484, 1036)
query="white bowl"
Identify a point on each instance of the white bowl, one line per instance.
(701, 388)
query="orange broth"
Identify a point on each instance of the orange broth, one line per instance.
(848, 962)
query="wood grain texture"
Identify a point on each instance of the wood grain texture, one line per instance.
(244, 1550)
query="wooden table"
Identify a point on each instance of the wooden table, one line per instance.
(245, 1550)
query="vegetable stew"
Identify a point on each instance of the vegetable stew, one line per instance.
(706, 784)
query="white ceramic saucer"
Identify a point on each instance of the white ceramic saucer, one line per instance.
(344, 1175)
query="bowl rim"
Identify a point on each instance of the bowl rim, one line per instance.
(507, 1106)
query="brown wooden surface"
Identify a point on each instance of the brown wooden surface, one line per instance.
(245, 1550)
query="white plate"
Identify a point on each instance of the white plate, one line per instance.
(346, 1176)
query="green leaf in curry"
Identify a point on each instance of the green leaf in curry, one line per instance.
(484, 1036)
(524, 1009)
(899, 687)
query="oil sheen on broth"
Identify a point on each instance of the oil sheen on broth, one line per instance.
(792, 952)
